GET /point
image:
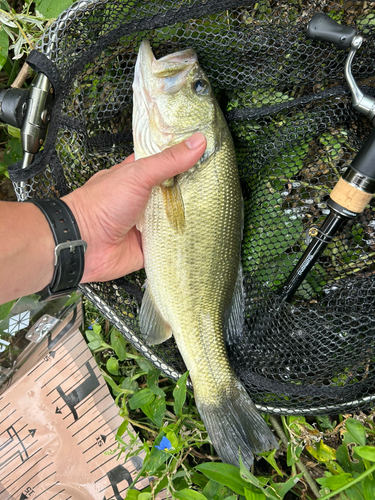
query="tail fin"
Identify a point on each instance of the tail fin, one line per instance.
(235, 425)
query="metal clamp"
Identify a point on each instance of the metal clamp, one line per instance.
(41, 328)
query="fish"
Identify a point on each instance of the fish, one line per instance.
(191, 238)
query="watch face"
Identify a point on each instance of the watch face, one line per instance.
(21, 331)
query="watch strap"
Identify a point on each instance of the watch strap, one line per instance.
(69, 250)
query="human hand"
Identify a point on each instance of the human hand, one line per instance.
(109, 205)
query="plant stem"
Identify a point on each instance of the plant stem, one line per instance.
(22, 76)
(137, 424)
(310, 481)
(349, 485)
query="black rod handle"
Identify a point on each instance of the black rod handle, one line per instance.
(324, 28)
(329, 228)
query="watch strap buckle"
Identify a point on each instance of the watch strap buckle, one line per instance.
(71, 245)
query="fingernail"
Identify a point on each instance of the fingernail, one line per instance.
(195, 141)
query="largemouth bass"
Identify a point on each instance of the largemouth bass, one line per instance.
(191, 236)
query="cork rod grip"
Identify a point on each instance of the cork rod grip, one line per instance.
(349, 197)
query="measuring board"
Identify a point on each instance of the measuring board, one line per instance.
(57, 420)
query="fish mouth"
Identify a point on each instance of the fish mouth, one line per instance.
(167, 74)
(153, 77)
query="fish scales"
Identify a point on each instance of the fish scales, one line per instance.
(192, 275)
(191, 237)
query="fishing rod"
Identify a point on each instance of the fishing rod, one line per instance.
(356, 187)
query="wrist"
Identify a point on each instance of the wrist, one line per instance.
(69, 247)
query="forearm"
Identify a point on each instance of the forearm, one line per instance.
(26, 250)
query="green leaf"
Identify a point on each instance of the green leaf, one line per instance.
(141, 398)
(155, 410)
(152, 380)
(225, 474)
(322, 452)
(342, 457)
(5, 309)
(132, 495)
(293, 453)
(155, 460)
(13, 151)
(368, 487)
(144, 496)
(118, 344)
(188, 494)
(179, 393)
(145, 365)
(74, 297)
(254, 494)
(129, 384)
(4, 47)
(270, 457)
(4, 169)
(335, 482)
(52, 8)
(214, 490)
(283, 488)
(116, 389)
(95, 344)
(97, 329)
(356, 431)
(113, 366)
(14, 131)
(366, 452)
(200, 480)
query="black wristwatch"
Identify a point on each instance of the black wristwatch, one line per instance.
(69, 250)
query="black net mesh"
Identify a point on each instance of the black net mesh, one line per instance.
(295, 132)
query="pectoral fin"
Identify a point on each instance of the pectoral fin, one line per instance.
(174, 204)
(153, 327)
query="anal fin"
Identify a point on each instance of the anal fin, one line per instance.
(153, 327)
(234, 317)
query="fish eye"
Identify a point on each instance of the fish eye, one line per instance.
(201, 87)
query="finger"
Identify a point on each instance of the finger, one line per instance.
(155, 169)
(129, 159)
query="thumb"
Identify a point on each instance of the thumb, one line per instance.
(155, 169)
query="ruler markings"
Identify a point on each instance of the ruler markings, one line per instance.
(101, 452)
(92, 420)
(54, 366)
(28, 470)
(86, 387)
(94, 405)
(49, 487)
(96, 443)
(116, 476)
(9, 416)
(42, 481)
(84, 377)
(4, 406)
(18, 419)
(60, 372)
(78, 368)
(96, 430)
(16, 454)
(93, 470)
(91, 367)
(43, 360)
(57, 494)
(85, 383)
(31, 478)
